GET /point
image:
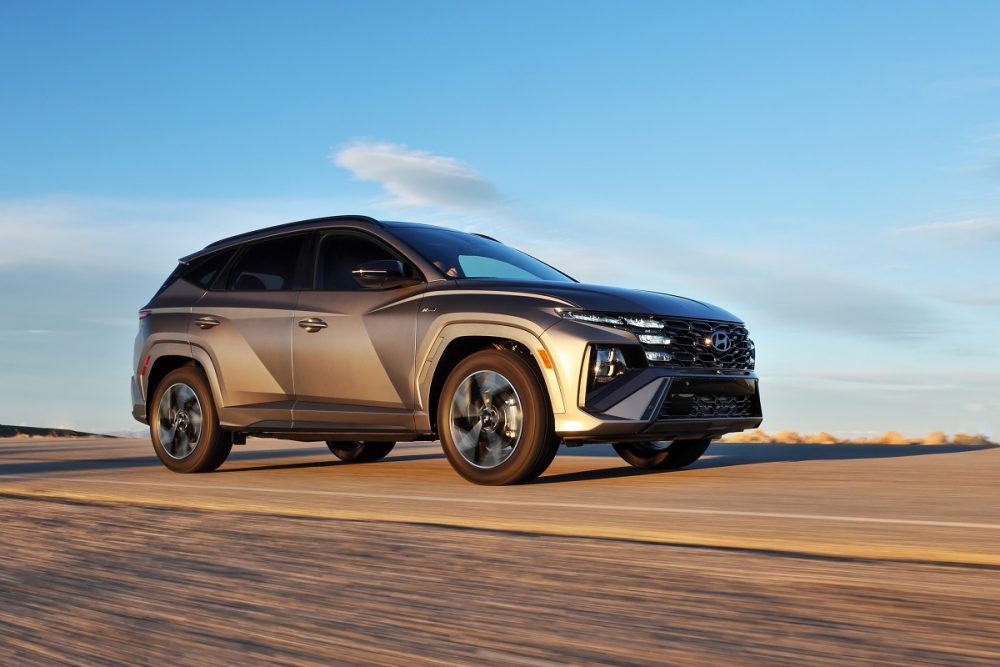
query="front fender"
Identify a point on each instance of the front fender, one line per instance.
(429, 356)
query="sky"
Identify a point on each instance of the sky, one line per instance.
(829, 171)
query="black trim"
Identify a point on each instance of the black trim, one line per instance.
(604, 398)
(305, 270)
(319, 431)
(277, 230)
(656, 405)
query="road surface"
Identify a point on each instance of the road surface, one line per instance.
(757, 554)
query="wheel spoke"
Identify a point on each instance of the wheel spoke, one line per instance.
(491, 383)
(464, 401)
(183, 441)
(494, 450)
(170, 442)
(467, 441)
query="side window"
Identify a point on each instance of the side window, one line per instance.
(204, 272)
(266, 266)
(340, 253)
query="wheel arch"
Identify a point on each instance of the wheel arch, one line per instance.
(169, 357)
(458, 341)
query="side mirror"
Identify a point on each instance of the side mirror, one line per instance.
(382, 274)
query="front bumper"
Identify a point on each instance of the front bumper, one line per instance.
(661, 404)
(647, 403)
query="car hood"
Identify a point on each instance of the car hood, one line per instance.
(610, 299)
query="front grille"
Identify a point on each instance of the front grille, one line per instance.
(697, 406)
(691, 343)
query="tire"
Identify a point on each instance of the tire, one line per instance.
(184, 424)
(662, 455)
(494, 419)
(355, 451)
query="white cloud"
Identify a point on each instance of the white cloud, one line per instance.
(906, 379)
(779, 288)
(968, 230)
(417, 179)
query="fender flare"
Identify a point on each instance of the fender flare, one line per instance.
(428, 365)
(181, 349)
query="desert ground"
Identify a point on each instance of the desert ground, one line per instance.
(785, 554)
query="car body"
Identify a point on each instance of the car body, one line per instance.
(347, 329)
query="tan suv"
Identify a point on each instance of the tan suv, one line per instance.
(363, 333)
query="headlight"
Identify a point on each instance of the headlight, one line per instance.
(654, 339)
(637, 321)
(607, 364)
(593, 318)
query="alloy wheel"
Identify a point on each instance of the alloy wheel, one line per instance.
(486, 419)
(179, 421)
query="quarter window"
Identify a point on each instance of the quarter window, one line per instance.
(267, 266)
(204, 272)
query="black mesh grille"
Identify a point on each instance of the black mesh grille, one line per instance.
(691, 343)
(694, 406)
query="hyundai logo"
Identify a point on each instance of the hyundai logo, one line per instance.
(720, 341)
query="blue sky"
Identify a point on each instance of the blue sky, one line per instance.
(828, 171)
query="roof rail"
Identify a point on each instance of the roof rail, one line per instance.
(288, 226)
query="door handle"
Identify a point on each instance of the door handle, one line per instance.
(312, 324)
(207, 322)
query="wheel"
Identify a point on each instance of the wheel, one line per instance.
(184, 426)
(662, 455)
(494, 419)
(355, 451)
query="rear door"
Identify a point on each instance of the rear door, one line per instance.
(245, 323)
(354, 347)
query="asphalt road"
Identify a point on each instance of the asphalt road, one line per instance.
(758, 554)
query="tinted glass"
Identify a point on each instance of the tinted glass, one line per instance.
(171, 279)
(341, 253)
(267, 266)
(462, 255)
(205, 270)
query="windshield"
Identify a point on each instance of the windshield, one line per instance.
(461, 255)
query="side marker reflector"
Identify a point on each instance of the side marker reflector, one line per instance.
(544, 356)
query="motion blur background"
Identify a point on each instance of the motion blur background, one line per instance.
(828, 171)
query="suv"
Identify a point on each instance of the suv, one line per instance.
(363, 333)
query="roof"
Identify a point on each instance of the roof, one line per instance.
(276, 230)
(305, 225)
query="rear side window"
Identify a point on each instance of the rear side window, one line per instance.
(204, 271)
(266, 266)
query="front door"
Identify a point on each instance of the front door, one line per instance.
(354, 347)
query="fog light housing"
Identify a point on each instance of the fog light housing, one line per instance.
(607, 364)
